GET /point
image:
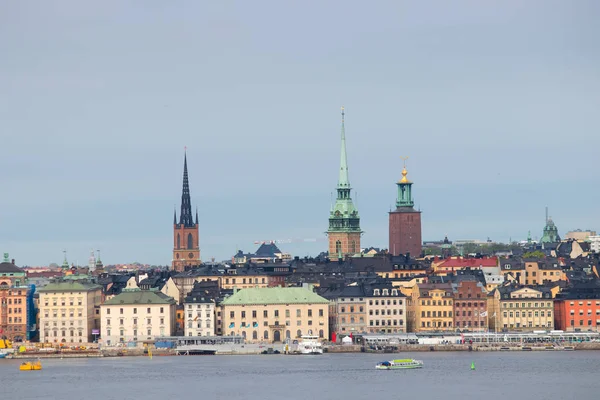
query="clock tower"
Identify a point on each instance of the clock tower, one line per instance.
(186, 240)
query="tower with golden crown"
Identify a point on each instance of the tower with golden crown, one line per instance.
(405, 221)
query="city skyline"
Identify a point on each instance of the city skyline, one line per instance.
(494, 105)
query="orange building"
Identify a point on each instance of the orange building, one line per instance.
(13, 301)
(578, 309)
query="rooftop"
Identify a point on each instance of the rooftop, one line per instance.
(69, 286)
(274, 295)
(136, 296)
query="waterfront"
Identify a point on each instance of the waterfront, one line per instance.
(556, 375)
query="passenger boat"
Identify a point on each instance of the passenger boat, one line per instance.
(408, 363)
(31, 366)
(3, 355)
(310, 345)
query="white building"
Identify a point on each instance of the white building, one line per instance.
(137, 315)
(67, 311)
(199, 315)
(595, 244)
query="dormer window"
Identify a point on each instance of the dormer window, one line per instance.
(394, 292)
(376, 292)
(385, 292)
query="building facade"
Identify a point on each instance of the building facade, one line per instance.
(199, 317)
(13, 301)
(470, 306)
(578, 309)
(186, 236)
(275, 314)
(344, 222)
(405, 222)
(67, 311)
(386, 309)
(137, 315)
(433, 307)
(518, 308)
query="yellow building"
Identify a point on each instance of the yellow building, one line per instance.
(432, 307)
(541, 272)
(516, 308)
(275, 314)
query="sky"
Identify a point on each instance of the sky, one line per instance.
(495, 103)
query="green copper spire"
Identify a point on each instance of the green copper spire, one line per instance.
(404, 198)
(344, 181)
(344, 216)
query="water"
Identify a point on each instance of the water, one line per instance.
(498, 375)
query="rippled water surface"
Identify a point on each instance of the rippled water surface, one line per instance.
(498, 375)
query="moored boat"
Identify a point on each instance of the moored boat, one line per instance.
(310, 345)
(407, 363)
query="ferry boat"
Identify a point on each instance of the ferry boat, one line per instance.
(310, 345)
(3, 354)
(408, 363)
(31, 366)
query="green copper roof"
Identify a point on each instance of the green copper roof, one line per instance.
(69, 286)
(137, 296)
(344, 215)
(275, 295)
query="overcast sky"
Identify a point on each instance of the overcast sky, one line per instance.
(495, 102)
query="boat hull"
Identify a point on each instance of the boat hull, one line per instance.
(399, 367)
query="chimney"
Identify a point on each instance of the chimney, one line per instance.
(13, 261)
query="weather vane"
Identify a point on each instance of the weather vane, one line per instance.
(404, 160)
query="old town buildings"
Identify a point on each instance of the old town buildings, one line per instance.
(274, 314)
(67, 311)
(137, 315)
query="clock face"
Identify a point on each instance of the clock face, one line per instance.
(177, 255)
(191, 255)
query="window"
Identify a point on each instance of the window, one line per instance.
(265, 314)
(120, 311)
(310, 311)
(254, 314)
(321, 312)
(276, 313)
(162, 310)
(298, 313)
(243, 314)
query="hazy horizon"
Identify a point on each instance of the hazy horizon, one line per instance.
(495, 105)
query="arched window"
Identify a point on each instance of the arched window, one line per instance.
(190, 241)
(298, 333)
(255, 335)
(321, 333)
(266, 335)
(353, 247)
(338, 247)
(288, 334)
(178, 241)
(244, 334)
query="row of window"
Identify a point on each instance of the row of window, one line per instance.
(436, 302)
(63, 333)
(275, 313)
(529, 325)
(148, 310)
(589, 322)
(63, 323)
(135, 333)
(460, 296)
(135, 321)
(436, 324)
(469, 323)
(390, 322)
(589, 312)
(266, 323)
(525, 314)
(198, 306)
(277, 334)
(475, 304)
(386, 302)
(436, 314)
(198, 324)
(589, 303)
(16, 310)
(389, 312)
(16, 320)
(63, 314)
(233, 280)
(536, 305)
(10, 301)
(208, 315)
(63, 302)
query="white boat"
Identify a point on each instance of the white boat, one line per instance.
(310, 345)
(408, 363)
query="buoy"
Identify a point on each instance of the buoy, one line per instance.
(472, 366)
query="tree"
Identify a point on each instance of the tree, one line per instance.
(534, 254)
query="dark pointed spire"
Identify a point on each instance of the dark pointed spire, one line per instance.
(185, 218)
(196, 215)
(174, 215)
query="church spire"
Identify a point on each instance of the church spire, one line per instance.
(185, 218)
(344, 181)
